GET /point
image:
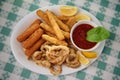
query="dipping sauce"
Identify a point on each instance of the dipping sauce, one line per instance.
(79, 36)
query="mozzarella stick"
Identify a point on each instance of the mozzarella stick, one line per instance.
(25, 34)
(43, 16)
(61, 24)
(53, 40)
(55, 26)
(71, 22)
(32, 39)
(47, 28)
(37, 21)
(35, 47)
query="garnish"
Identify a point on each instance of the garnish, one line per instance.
(97, 34)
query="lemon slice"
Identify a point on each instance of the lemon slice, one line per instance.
(82, 16)
(89, 54)
(83, 60)
(68, 10)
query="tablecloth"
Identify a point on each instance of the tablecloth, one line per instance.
(106, 67)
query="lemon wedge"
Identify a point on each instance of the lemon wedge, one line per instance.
(89, 54)
(82, 16)
(68, 10)
(83, 60)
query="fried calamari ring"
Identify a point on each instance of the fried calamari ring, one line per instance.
(57, 54)
(40, 59)
(37, 55)
(72, 59)
(55, 69)
(44, 63)
(46, 46)
(72, 62)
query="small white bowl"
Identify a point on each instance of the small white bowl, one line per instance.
(76, 25)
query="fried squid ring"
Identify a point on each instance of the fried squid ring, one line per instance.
(44, 63)
(56, 54)
(72, 60)
(40, 59)
(55, 69)
(45, 47)
(37, 55)
(72, 64)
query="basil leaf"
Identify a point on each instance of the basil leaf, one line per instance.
(97, 34)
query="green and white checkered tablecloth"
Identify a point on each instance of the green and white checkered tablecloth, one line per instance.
(107, 66)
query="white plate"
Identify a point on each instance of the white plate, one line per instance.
(18, 50)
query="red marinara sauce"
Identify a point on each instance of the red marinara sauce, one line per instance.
(79, 36)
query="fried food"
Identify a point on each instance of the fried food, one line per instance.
(56, 54)
(32, 39)
(63, 18)
(37, 21)
(72, 60)
(51, 32)
(56, 69)
(46, 46)
(43, 16)
(55, 26)
(54, 40)
(34, 48)
(37, 55)
(25, 34)
(71, 22)
(47, 28)
(38, 58)
(55, 57)
(61, 24)
(44, 63)
(66, 34)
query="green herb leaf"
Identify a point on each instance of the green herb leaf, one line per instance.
(97, 34)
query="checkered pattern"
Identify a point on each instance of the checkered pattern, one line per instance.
(107, 66)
